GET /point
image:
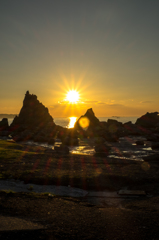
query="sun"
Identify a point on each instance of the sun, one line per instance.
(72, 96)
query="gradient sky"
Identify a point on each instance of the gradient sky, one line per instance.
(107, 50)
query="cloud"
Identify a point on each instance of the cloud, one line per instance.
(90, 102)
(115, 105)
(101, 103)
(146, 102)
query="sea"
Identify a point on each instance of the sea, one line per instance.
(69, 122)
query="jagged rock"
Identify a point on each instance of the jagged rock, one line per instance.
(149, 120)
(32, 114)
(4, 124)
(89, 119)
(33, 122)
(95, 128)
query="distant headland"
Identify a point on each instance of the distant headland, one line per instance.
(5, 115)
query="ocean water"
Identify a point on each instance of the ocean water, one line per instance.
(70, 121)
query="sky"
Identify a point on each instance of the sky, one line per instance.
(108, 51)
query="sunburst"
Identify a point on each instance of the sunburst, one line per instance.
(72, 96)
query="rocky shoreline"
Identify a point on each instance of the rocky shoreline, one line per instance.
(34, 123)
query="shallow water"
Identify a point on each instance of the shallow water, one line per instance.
(124, 149)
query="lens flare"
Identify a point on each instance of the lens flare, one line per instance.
(84, 122)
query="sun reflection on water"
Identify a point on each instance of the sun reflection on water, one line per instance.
(72, 122)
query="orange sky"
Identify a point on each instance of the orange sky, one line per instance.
(106, 50)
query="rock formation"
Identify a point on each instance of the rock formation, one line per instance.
(4, 124)
(32, 114)
(149, 120)
(4, 127)
(93, 121)
(33, 122)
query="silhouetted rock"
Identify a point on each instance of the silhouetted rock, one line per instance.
(4, 124)
(33, 122)
(102, 150)
(70, 141)
(115, 127)
(132, 129)
(92, 122)
(61, 149)
(32, 114)
(89, 126)
(149, 120)
(99, 140)
(139, 142)
(155, 145)
(152, 158)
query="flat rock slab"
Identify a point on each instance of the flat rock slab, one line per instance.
(103, 194)
(14, 223)
(132, 192)
(19, 186)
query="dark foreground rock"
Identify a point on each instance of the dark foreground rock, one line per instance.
(35, 216)
(102, 149)
(61, 149)
(149, 120)
(4, 126)
(89, 126)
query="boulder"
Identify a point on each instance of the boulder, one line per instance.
(4, 124)
(4, 133)
(114, 123)
(61, 149)
(99, 140)
(69, 141)
(149, 120)
(140, 143)
(152, 138)
(132, 129)
(102, 148)
(51, 141)
(151, 158)
(155, 145)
